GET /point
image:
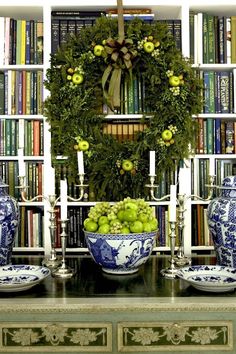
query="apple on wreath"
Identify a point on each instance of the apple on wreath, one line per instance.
(98, 49)
(127, 165)
(148, 47)
(167, 135)
(174, 81)
(83, 145)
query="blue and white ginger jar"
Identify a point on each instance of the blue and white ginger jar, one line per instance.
(9, 218)
(221, 214)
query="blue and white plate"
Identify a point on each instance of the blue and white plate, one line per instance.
(212, 278)
(21, 277)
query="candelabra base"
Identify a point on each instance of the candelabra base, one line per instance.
(182, 261)
(63, 272)
(51, 262)
(170, 273)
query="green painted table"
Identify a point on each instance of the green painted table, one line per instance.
(96, 312)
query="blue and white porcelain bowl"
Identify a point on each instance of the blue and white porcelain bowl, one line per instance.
(120, 253)
(221, 214)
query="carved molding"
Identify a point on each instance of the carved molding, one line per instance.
(107, 307)
(56, 337)
(170, 336)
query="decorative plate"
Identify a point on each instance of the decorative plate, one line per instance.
(21, 277)
(212, 278)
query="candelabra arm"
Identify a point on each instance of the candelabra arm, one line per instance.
(81, 188)
(210, 195)
(22, 187)
(152, 187)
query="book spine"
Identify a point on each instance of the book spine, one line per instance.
(2, 93)
(233, 39)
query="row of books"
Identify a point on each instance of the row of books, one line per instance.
(67, 23)
(212, 38)
(216, 136)
(200, 230)
(124, 131)
(9, 171)
(21, 41)
(200, 174)
(21, 92)
(132, 96)
(32, 136)
(218, 91)
(30, 230)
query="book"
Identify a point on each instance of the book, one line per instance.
(229, 137)
(2, 39)
(2, 93)
(39, 42)
(75, 13)
(224, 92)
(23, 42)
(233, 39)
(7, 40)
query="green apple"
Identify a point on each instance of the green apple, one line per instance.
(130, 215)
(166, 135)
(77, 78)
(174, 81)
(125, 230)
(147, 227)
(127, 165)
(103, 220)
(98, 49)
(120, 215)
(136, 227)
(131, 205)
(86, 221)
(143, 217)
(148, 47)
(83, 145)
(91, 226)
(104, 229)
(154, 224)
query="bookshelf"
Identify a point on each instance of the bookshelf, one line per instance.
(179, 10)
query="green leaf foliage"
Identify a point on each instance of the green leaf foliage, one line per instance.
(74, 110)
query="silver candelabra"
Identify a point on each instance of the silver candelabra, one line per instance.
(64, 271)
(180, 258)
(53, 261)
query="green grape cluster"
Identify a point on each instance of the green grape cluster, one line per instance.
(126, 216)
(98, 210)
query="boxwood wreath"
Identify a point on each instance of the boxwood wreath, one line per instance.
(88, 72)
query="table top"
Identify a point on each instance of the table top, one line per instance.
(90, 281)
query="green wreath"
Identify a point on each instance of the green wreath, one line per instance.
(89, 72)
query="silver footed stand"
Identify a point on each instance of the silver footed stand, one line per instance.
(63, 271)
(180, 259)
(53, 261)
(172, 271)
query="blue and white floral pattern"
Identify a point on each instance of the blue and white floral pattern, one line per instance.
(209, 278)
(120, 253)
(9, 214)
(222, 223)
(21, 277)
